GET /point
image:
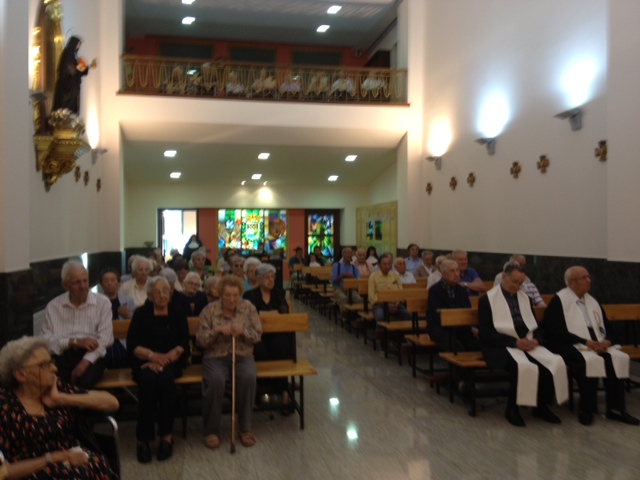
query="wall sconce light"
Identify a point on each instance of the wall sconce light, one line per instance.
(96, 152)
(490, 144)
(575, 118)
(601, 151)
(436, 160)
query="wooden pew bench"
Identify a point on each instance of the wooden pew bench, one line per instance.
(394, 331)
(417, 307)
(352, 308)
(471, 363)
(117, 379)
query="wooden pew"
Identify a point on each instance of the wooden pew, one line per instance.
(192, 375)
(469, 361)
(395, 330)
(351, 308)
(630, 314)
(365, 320)
(418, 308)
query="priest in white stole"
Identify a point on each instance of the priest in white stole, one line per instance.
(510, 340)
(577, 328)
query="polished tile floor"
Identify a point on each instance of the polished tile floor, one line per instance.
(389, 425)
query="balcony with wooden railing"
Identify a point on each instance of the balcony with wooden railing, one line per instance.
(144, 75)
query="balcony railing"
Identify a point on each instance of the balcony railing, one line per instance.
(218, 79)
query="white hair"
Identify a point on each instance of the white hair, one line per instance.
(250, 261)
(169, 275)
(70, 266)
(157, 279)
(15, 353)
(140, 259)
(446, 264)
(193, 275)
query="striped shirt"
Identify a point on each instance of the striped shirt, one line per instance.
(64, 321)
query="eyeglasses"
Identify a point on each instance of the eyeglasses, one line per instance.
(44, 365)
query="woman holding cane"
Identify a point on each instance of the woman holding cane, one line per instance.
(221, 322)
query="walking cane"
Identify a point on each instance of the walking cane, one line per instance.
(233, 395)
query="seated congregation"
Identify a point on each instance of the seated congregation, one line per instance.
(48, 377)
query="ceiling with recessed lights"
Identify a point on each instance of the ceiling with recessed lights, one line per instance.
(358, 24)
(296, 157)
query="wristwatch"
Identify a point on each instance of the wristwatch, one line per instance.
(47, 457)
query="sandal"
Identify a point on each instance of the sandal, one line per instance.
(212, 441)
(247, 439)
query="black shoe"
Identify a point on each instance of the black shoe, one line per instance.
(512, 414)
(623, 417)
(144, 452)
(544, 413)
(165, 450)
(585, 418)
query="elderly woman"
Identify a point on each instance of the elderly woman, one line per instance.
(158, 344)
(38, 416)
(219, 322)
(211, 289)
(198, 261)
(249, 269)
(274, 346)
(237, 267)
(196, 298)
(136, 288)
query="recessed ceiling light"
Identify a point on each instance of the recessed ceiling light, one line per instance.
(333, 9)
(243, 182)
(265, 182)
(332, 178)
(188, 2)
(350, 158)
(175, 174)
(256, 176)
(170, 153)
(263, 156)
(188, 20)
(323, 28)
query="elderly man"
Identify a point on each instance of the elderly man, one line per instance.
(341, 270)
(385, 279)
(448, 293)
(436, 276)
(400, 266)
(413, 261)
(469, 278)
(78, 327)
(510, 340)
(578, 329)
(528, 286)
(427, 267)
(365, 267)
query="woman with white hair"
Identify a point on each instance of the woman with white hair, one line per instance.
(136, 288)
(198, 264)
(196, 298)
(249, 269)
(38, 416)
(158, 345)
(274, 346)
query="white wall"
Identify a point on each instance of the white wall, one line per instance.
(64, 221)
(521, 49)
(144, 200)
(384, 188)
(623, 119)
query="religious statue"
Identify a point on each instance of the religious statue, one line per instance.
(71, 69)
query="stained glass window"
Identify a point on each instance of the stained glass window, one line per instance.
(252, 229)
(320, 232)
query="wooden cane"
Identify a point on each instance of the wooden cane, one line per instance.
(233, 395)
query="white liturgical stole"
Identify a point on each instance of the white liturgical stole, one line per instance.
(577, 324)
(527, 388)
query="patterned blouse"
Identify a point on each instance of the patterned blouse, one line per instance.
(217, 345)
(24, 436)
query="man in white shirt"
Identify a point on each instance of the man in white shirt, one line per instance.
(78, 327)
(401, 267)
(413, 261)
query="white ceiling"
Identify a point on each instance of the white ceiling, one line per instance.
(357, 25)
(224, 154)
(228, 154)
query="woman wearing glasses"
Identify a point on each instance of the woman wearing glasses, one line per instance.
(37, 420)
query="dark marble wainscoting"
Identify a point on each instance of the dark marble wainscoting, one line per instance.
(25, 292)
(612, 282)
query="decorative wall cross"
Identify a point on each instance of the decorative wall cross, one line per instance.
(429, 188)
(601, 151)
(453, 183)
(471, 179)
(543, 163)
(515, 169)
